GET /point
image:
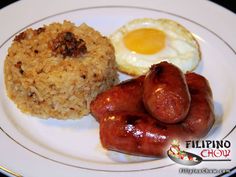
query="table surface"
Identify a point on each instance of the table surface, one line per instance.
(228, 4)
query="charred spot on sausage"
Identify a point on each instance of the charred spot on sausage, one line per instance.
(159, 70)
(132, 119)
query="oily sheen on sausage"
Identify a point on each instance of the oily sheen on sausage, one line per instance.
(125, 96)
(166, 95)
(126, 126)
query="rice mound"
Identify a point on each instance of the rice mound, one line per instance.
(57, 70)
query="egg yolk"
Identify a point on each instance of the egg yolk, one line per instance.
(145, 40)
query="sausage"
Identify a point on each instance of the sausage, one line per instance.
(201, 114)
(139, 133)
(125, 96)
(166, 95)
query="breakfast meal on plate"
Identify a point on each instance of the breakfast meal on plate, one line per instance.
(56, 70)
(133, 122)
(66, 71)
(143, 42)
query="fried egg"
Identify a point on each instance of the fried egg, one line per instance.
(143, 42)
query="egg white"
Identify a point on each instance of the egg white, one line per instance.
(181, 48)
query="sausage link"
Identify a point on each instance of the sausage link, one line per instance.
(166, 95)
(201, 114)
(125, 96)
(140, 134)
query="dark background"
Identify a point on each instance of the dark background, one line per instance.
(229, 4)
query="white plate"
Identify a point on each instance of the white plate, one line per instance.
(35, 147)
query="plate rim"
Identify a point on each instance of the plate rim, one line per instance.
(112, 6)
